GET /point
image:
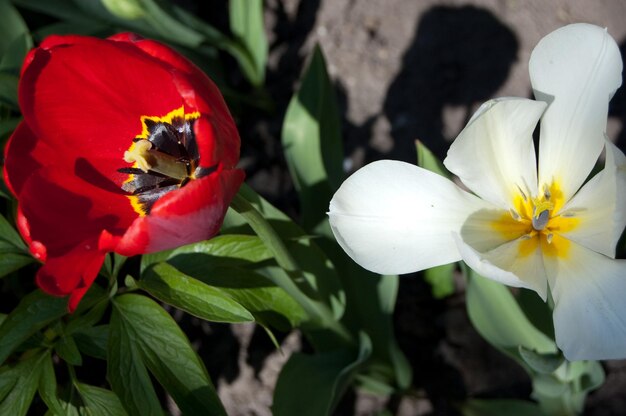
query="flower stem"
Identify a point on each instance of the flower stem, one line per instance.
(294, 282)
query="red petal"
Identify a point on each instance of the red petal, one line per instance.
(190, 214)
(87, 98)
(24, 155)
(200, 94)
(71, 274)
(64, 210)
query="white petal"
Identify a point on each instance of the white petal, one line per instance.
(494, 155)
(589, 308)
(504, 264)
(393, 217)
(576, 69)
(600, 206)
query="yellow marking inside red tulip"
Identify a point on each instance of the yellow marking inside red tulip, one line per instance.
(538, 223)
(150, 157)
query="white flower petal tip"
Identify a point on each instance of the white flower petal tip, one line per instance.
(576, 69)
(494, 155)
(393, 217)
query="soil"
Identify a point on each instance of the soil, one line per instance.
(404, 70)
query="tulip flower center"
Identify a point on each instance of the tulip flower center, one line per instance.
(164, 158)
(538, 222)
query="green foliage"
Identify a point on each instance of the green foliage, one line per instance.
(13, 252)
(246, 23)
(143, 336)
(169, 285)
(312, 144)
(19, 383)
(311, 385)
(559, 386)
(35, 311)
(311, 139)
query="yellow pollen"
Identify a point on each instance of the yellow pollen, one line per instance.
(537, 223)
(139, 154)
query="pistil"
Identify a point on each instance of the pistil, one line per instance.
(149, 159)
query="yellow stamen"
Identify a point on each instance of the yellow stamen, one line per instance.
(537, 223)
(138, 154)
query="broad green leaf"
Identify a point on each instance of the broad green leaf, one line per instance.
(48, 387)
(441, 280)
(166, 351)
(35, 311)
(246, 24)
(476, 407)
(311, 385)
(226, 250)
(496, 315)
(93, 341)
(99, 401)
(126, 370)
(8, 125)
(26, 375)
(268, 303)
(427, 160)
(173, 287)
(311, 139)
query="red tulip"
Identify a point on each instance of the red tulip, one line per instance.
(125, 146)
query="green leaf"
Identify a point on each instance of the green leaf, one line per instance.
(48, 387)
(66, 348)
(12, 28)
(226, 250)
(10, 262)
(498, 318)
(8, 234)
(166, 351)
(173, 287)
(318, 269)
(441, 280)
(161, 17)
(311, 385)
(13, 57)
(311, 139)
(126, 370)
(476, 407)
(99, 401)
(93, 341)
(8, 89)
(246, 23)
(427, 160)
(35, 311)
(269, 304)
(26, 380)
(542, 363)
